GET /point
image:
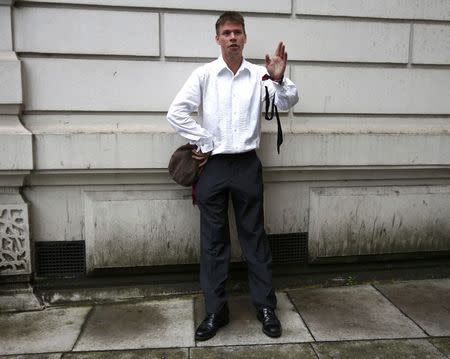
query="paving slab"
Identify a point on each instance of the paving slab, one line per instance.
(245, 328)
(35, 332)
(427, 302)
(285, 351)
(352, 313)
(443, 344)
(386, 349)
(180, 353)
(152, 324)
(33, 356)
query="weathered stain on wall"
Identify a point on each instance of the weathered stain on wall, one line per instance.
(378, 220)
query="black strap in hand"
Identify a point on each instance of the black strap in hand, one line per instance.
(270, 117)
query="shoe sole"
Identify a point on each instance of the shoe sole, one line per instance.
(271, 334)
(221, 325)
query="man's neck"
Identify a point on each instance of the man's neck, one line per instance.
(233, 63)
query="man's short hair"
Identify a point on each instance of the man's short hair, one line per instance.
(230, 16)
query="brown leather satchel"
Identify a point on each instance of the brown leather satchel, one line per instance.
(184, 169)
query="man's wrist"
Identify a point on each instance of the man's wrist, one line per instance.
(280, 80)
(268, 77)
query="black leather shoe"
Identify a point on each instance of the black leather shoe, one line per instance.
(212, 323)
(271, 324)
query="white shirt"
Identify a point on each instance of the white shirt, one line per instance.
(228, 105)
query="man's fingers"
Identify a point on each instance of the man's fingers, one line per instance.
(198, 156)
(202, 159)
(203, 162)
(279, 51)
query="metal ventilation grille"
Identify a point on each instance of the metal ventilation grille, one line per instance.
(289, 247)
(60, 259)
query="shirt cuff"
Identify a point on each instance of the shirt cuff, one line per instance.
(204, 144)
(282, 83)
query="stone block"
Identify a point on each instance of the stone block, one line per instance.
(176, 26)
(347, 221)
(15, 145)
(332, 89)
(395, 9)
(5, 29)
(431, 44)
(102, 85)
(305, 39)
(329, 40)
(10, 80)
(57, 213)
(281, 6)
(105, 32)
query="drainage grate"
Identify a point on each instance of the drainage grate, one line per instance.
(60, 259)
(289, 247)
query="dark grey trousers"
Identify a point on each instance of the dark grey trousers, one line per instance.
(241, 176)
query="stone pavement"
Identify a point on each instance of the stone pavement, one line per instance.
(409, 319)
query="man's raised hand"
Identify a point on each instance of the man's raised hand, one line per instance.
(276, 65)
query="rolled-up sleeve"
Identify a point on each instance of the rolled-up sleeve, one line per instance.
(187, 101)
(286, 94)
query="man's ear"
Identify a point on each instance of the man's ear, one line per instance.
(217, 39)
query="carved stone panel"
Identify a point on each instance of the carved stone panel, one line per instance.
(14, 240)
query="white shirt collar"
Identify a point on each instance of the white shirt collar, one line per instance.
(221, 65)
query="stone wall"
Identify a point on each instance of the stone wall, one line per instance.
(85, 85)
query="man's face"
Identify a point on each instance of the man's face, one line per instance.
(231, 39)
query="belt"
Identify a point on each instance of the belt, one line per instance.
(232, 156)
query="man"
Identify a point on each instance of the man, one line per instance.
(227, 94)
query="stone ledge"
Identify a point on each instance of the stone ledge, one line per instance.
(271, 174)
(144, 142)
(151, 150)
